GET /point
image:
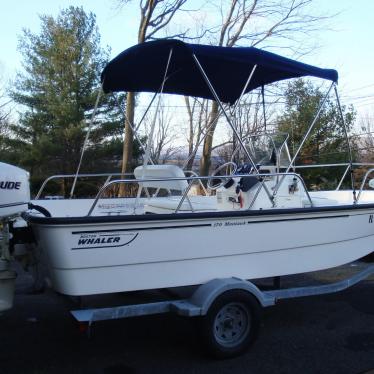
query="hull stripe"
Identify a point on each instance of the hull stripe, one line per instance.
(141, 229)
(204, 225)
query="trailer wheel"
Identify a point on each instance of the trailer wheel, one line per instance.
(231, 324)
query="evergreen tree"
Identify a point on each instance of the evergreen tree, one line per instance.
(326, 143)
(58, 89)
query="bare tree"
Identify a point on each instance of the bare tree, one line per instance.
(4, 104)
(198, 113)
(259, 23)
(162, 144)
(248, 120)
(4, 117)
(362, 144)
(155, 15)
(366, 142)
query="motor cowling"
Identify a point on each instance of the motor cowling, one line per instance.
(14, 190)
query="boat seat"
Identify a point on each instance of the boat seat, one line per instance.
(161, 172)
(169, 204)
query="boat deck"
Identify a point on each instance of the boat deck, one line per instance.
(162, 205)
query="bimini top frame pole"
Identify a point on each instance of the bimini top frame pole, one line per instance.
(223, 110)
(86, 139)
(228, 118)
(310, 128)
(134, 128)
(348, 144)
(305, 137)
(150, 139)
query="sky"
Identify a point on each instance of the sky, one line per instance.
(346, 44)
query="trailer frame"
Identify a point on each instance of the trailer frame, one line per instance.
(229, 307)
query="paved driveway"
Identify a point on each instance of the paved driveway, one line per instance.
(326, 334)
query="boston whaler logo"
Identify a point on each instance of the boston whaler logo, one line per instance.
(90, 240)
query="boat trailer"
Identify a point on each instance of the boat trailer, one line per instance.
(229, 308)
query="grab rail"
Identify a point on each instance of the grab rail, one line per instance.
(348, 166)
(119, 181)
(278, 185)
(57, 176)
(190, 180)
(363, 184)
(108, 175)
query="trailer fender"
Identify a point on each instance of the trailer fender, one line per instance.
(205, 295)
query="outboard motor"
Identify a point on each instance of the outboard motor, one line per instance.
(14, 199)
(14, 190)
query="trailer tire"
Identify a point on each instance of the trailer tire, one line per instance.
(231, 324)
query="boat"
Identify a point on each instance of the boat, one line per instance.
(257, 220)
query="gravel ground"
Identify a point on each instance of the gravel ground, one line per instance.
(324, 334)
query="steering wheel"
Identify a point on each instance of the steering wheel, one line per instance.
(223, 179)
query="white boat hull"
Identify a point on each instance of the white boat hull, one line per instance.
(114, 256)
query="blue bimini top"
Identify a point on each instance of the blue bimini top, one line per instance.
(142, 67)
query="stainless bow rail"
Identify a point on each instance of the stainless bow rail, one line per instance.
(363, 183)
(96, 175)
(63, 176)
(261, 178)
